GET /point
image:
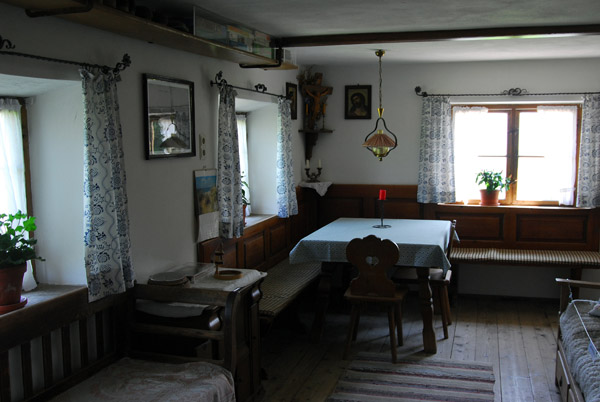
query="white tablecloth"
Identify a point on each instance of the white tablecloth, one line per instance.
(422, 243)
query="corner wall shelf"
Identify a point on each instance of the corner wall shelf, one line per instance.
(311, 140)
(126, 24)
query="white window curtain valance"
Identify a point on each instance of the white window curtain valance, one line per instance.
(106, 220)
(286, 186)
(229, 188)
(588, 183)
(436, 155)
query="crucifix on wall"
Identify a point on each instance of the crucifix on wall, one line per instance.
(315, 100)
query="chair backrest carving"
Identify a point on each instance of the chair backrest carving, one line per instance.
(373, 257)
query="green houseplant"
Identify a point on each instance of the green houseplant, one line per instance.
(245, 201)
(494, 182)
(15, 250)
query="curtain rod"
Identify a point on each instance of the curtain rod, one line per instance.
(258, 88)
(507, 92)
(122, 65)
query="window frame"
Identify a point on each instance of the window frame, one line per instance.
(512, 152)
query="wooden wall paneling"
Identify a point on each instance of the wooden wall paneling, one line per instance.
(476, 227)
(543, 228)
(569, 229)
(398, 209)
(254, 251)
(360, 201)
(331, 208)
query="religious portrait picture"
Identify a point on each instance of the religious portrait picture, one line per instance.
(291, 91)
(357, 102)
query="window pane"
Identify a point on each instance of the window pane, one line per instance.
(546, 164)
(480, 143)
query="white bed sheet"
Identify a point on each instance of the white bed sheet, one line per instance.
(131, 380)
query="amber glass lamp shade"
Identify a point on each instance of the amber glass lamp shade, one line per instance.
(378, 142)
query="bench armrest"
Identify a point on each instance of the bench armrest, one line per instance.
(565, 289)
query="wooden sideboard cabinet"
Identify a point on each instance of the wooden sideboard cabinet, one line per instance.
(243, 330)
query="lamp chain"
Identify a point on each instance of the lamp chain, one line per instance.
(380, 80)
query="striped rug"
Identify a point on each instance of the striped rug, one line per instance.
(373, 377)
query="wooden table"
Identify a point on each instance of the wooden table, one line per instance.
(422, 245)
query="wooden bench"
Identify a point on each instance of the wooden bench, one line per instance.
(571, 258)
(284, 282)
(98, 335)
(575, 260)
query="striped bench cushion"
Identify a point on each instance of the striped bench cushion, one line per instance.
(515, 256)
(283, 283)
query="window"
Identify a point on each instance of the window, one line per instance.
(12, 158)
(243, 145)
(536, 145)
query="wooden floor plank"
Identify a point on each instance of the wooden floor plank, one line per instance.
(463, 347)
(514, 375)
(486, 349)
(535, 358)
(546, 340)
(517, 336)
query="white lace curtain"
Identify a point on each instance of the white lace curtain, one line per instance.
(436, 155)
(588, 183)
(286, 186)
(12, 168)
(106, 220)
(229, 190)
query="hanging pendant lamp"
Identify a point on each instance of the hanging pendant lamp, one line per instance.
(380, 143)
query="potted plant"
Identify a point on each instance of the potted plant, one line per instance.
(245, 200)
(15, 251)
(494, 182)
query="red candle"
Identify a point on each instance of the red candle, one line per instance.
(382, 194)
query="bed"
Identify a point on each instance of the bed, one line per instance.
(65, 348)
(577, 358)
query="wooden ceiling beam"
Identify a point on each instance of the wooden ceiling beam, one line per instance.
(430, 36)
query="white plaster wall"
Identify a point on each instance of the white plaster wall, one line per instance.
(56, 153)
(160, 192)
(345, 161)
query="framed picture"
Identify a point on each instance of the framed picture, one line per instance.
(169, 117)
(291, 91)
(357, 102)
(206, 203)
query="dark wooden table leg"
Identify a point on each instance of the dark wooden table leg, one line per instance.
(426, 306)
(323, 294)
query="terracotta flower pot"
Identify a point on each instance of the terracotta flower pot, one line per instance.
(489, 198)
(11, 284)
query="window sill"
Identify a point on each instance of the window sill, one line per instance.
(461, 205)
(255, 219)
(43, 302)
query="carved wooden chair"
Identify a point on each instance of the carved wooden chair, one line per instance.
(373, 257)
(439, 282)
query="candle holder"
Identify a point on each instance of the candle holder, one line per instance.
(228, 274)
(381, 226)
(312, 177)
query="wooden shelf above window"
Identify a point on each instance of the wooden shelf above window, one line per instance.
(126, 24)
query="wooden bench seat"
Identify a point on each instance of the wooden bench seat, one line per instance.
(283, 283)
(571, 258)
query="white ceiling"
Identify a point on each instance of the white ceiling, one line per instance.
(291, 18)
